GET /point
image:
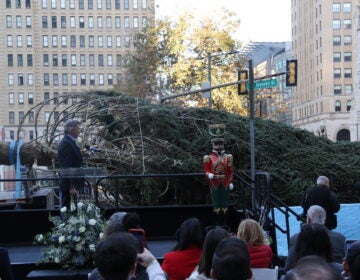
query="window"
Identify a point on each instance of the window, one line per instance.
(8, 21)
(99, 22)
(118, 60)
(73, 41)
(73, 60)
(31, 98)
(82, 41)
(347, 23)
(56, 98)
(347, 40)
(72, 22)
(117, 22)
(135, 4)
(337, 73)
(81, 22)
(337, 89)
(126, 22)
(117, 4)
(30, 79)
(81, 4)
(90, 4)
(72, 4)
(62, 4)
(109, 41)
(82, 59)
(11, 117)
(109, 60)
(337, 106)
(92, 79)
(64, 79)
(143, 4)
(144, 21)
(10, 59)
(9, 40)
(11, 98)
(27, 4)
(336, 57)
(20, 61)
(348, 89)
(46, 79)
(127, 41)
(10, 79)
(63, 41)
(99, 4)
(336, 7)
(8, 4)
(126, 4)
(100, 41)
(53, 4)
(336, 24)
(44, 22)
(55, 79)
(108, 4)
(56, 116)
(91, 22)
(45, 59)
(12, 134)
(101, 60)
(118, 41)
(91, 41)
(63, 21)
(29, 60)
(31, 132)
(64, 60)
(53, 22)
(348, 105)
(19, 41)
(21, 98)
(347, 73)
(54, 41)
(18, 22)
(347, 7)
(55, 60)
(92, 60)
(28, 21)
(83, 79)
(21, 116)
(46, 116)
(136, 22)
(73, 79)
(108, 22)
(110, 79)
(46, 97)
(29, 41)
(73, 100)
(101, 79)
(20, 79)
(45, 41)
(347, 56)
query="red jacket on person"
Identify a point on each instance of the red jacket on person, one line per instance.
(260, 256)
(178, 265)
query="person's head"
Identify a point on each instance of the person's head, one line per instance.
(323, 180)
(72, 127)
(313, 240)
(212, 239)
(115, 256)
(131, 220)
(351, 262)
(312, 268)
(231, 260)
(189, 233)
(114, 224)
(316, 215)
(251, 232)
(218, 145)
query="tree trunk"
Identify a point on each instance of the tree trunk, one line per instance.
(28, 153)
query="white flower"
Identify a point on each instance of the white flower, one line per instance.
(40, 237)
(92, 247)
(63, 209)
(78, 247)
(61, 239)
(82, 229)
(80, 205)
(101, 235)
(72, 207)
(57, 260)
(92, 222)
(89, 208)
(76, 238)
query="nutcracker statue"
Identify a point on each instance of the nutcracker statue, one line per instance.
(218, 167)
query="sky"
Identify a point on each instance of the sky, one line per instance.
(261, 20)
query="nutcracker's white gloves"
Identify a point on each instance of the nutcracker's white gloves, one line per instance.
(210, 176)
(231, 186)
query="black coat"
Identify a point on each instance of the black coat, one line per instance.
(5, 266)
(321, 195)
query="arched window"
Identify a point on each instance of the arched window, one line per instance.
(343, 135)
(348, 105)
(337, 106)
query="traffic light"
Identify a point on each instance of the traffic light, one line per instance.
(242, 75)
(291, 73)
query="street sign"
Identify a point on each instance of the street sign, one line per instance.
(264, 84)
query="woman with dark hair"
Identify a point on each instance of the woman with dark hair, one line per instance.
(314, 240)
(212, 239)
(179, 263)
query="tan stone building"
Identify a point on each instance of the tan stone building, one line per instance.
(324, 41)
(54, 48)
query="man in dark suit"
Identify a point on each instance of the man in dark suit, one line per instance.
(322, 195)
(69, 155)
(5, 266)
(317, 215)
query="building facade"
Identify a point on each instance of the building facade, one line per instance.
(324, 41)
(53, 50)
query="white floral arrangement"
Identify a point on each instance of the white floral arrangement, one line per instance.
(71, 242)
